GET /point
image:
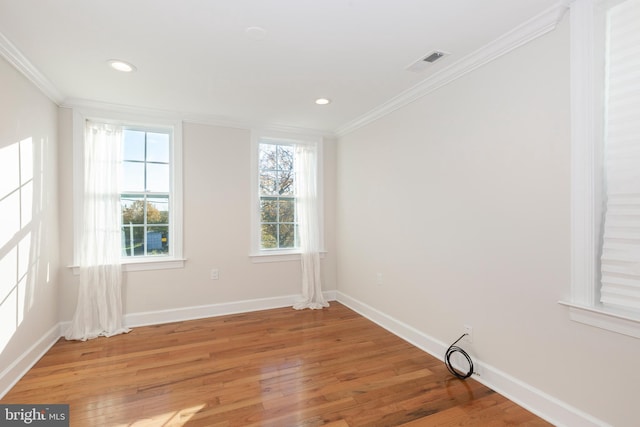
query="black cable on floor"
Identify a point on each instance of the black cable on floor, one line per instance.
(453, 348)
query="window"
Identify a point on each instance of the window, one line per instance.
(605, 36)
(277, 189)
(146, 193)
(620, 261)
(276, 172)
(150, 191)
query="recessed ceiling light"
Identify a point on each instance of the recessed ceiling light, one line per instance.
(256, 33)
(120, 65)
(323, 101)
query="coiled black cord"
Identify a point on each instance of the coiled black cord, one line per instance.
(453, 348)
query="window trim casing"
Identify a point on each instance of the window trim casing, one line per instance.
(257, 254)
(586, 182)
(80, 116)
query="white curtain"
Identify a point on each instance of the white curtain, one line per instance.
(621, 243)
(306, 176)
(99, 307)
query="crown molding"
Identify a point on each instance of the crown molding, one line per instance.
(530, 30)
(98, 107)
(272, 127)
(13, 55)
(524, 33)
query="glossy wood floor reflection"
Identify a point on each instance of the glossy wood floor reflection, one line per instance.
(269, 368)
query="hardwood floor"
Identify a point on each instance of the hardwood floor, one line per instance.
(277, 367)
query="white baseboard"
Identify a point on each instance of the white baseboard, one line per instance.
(12, 373)
(536, 401)
(212, 310)
(159, 317)
(15, 371)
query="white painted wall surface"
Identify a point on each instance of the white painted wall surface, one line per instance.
(28, 222)
(216, 231)
(461, 201)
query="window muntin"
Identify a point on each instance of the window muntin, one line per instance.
(146, 193)
(150, 123)
(296, 142)
(278, 220)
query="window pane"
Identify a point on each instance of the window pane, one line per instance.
(277, 195)
(287, 210)
(269, 236)
(285, 183)
(267, 156)
(158, 178)
(285, 157)
(158, 210)
(132, 176)
(287, 236)
(269, 183)
(132, 240)
(146, 191)
(158, 147)
(132, 209)
(158, 240)
(133, 146)
(268, 210)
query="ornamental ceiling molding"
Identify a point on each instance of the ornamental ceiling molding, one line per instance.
(530, 30)
(13, 55)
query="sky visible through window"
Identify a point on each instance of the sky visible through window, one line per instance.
(146, 185)
(152, 154)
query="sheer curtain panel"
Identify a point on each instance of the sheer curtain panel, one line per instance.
(306, 176)
(99, 307)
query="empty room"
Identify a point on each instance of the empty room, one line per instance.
(306, 213)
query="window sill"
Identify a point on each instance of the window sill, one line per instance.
(144, 265)
(278, 256)
(615, 321)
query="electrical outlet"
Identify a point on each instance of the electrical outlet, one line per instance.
(215, 274)
(378, 278)
(469, 331)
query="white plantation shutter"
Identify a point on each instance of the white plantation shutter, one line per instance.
(620, 263)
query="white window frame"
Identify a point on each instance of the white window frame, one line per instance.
(257, 254)
(586, 180)
(140, 263)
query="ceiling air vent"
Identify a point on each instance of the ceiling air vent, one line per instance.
(433, 57)
(422, 63)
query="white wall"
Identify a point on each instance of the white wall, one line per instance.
(28, 227)
(461, 200)
(216, 230)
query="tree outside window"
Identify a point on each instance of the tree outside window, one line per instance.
(278, 219)
(145, 200)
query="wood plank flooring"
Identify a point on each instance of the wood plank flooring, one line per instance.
(277, 367)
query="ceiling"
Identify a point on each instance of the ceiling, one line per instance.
(197, 57)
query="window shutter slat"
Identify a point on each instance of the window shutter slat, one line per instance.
(620, 262)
